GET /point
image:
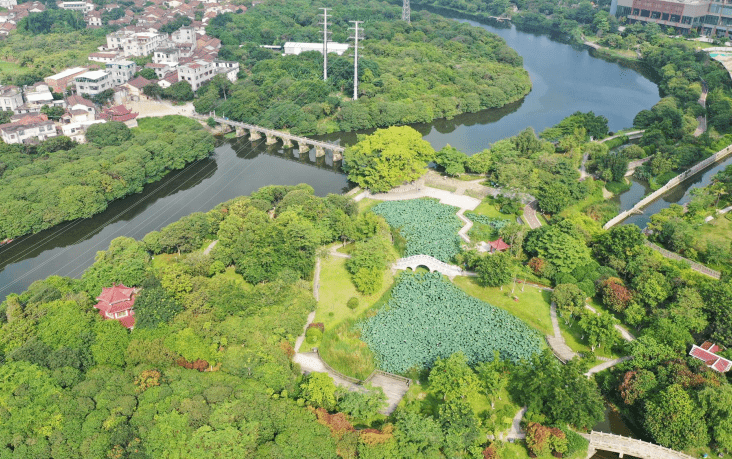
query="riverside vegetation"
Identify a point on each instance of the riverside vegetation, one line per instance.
(59, 180)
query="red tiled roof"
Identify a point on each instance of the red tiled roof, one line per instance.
(78, 100)
(498, 244)
(712, 360)
(118, 113)
(711, 347)
(139, 82)
(113, 299)
(128, 321)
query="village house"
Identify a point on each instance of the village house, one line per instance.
(169, 80)
(135, 87)
(707, 353)
(59, 82)
(76, 131)
(133, 43)
(80, 103)
(8, 3)
(170, 56)
(81, 6)
(105, 57)
(93, 19)
(6, 28)
(160, 69)
(121, 71)
(117, 303)
(11, 98)
(28, 130)
(40, 94)
(94, 82)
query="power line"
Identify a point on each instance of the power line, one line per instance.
(325, 42)
(355, 56)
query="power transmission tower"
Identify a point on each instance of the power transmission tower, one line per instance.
(406, 12)
(355, 56)
(325, 42)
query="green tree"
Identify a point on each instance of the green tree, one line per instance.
(363, 405)
(110, 343)
(452, 378)
(553, 197)
(387, 158)
(495, 269)
(451, 160)
(108, 134)
(599, 329)
(570, 300)
(154, 306)
(674, 420)
(319, 390)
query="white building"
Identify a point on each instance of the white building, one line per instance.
(135, 43)
(297, 48)
(8, 3)
(23, 131)
(11, 98)
(184, 35)
(160, 69)
(82, 6)
(94, 82)
(170, 56)
(198, 72)
(77, 131)
(39, 94)
(229, 68)
(122, 71)
(105, 57)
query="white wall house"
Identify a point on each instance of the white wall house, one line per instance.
(122, 71)
(229, 68)
(8, 3)
(196, 73)
(135, 43)
(82, 6)
(10, 98)
(297, 48)
(93, 83)
(170, 56)
(77, 131)
(20, 132)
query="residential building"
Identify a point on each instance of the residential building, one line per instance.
(184, 35)
(297, 48)
(40, 94)
(169, 55)
(196, 73)
(169, 80)
(135, 43)
(11, 98)
(59, 82)
(93, 19)
(135, 87)
(93, 83)
(105, 56)
(122, 71)
(229, 68)
(8, 3)
(117, 303)
(160, 69)
(710, 17)
(82, 6)
(77, 130)
(28, 130)
(707, 353)
(80, 103)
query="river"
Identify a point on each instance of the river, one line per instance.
(565, 79)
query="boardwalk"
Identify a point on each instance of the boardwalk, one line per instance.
(600, 441)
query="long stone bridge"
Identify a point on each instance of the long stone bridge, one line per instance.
(431, 263)
(630, 446)
(256, 132)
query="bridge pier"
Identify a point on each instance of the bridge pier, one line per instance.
(319, 151)
(337, 155)
(286, 142)
(270, 139)
(303, 147)
(591, 452)
(254, 135)
(240, 131)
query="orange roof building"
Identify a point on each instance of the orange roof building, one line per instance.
(117, 303)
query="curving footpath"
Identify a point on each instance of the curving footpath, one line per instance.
(530, 215)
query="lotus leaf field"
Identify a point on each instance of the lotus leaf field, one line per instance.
(428, 317)
(496, 223)
(429, 227)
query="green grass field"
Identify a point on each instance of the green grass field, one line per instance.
(532, 307)
(489, 209)
(10, 68)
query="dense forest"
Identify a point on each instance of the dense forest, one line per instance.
(60, 180)
(433, 68)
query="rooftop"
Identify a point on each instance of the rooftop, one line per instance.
(94, 75)
(67, 73)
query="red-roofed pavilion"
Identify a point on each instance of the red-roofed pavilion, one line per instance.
(498, 245)
(116, 303)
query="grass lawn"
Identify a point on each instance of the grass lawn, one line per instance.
(518, 451)
(341, 345)
(718, 230)
(10, 68)
(489, 209)
(572, 336)
(532, 307)
(366, 204)
(441, 187)
(163, 259)
(469, 177)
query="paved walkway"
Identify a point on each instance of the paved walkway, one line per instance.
(516, 432)
(530, 215)
(445, 197)
(605, 365)
(463, 233)
(334, 252)
(698, 267)
(210, 247)
(556, 342)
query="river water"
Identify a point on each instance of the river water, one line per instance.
(565, 79)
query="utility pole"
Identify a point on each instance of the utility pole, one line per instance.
(325, 43)
(406, 13)
(355, 56)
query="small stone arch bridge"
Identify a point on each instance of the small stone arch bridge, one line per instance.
(256, 132)
(630, 446)
(431, 263)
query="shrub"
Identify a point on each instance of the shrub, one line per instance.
(313, 335)
(352, 303)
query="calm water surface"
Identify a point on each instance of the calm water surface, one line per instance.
(565, 79)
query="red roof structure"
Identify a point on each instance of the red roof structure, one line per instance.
(139, 82)
(118, 113)
(498, 245)
(706, 353)
(117, 302)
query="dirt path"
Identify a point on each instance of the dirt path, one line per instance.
(151, 108)
(556, 342)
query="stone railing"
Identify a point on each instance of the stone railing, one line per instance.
(432, 263)
(637, 448)
(698, 267)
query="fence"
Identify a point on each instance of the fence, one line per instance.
(694, 265)
(671, 184)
